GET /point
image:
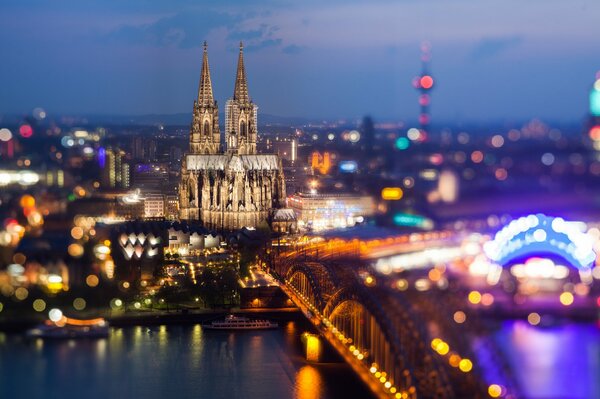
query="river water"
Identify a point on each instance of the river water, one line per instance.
(172, 362)
(557, 362)
(561, 362)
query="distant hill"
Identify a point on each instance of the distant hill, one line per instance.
(186, 119)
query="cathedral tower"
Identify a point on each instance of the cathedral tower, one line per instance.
(228, 190)
(241, 128)
(205, 136)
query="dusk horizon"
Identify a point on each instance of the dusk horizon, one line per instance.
(386, 199)
(489, 62)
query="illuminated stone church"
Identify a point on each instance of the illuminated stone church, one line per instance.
(229, 186)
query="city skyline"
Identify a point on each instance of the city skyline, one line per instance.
(305, 60)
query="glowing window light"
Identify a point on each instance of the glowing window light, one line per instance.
(413, 134)
(595, 133)
(25, 131)
(595, 102)
(392, 193)
(348, 166)
(39, 305)
(566, 298)
(474, 297)
(5, 134)
(402, 143)
(55, 315)
(405, 219)
(534, 319)
(539, 233)
(426, 82)
(354, 136)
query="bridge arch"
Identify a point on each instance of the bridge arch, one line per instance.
(388, 341)
(313, 280)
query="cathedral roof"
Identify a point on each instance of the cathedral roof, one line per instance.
(233, 162)
(284, 215)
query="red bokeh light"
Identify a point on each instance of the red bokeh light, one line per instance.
(595, 133)
(426, 82)
(25, 131)
(424, 119)
(424, 100)
(9, 222)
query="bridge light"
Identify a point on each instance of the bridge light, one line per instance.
(313, 347)
(373, 369)
(465, 365)
(495, 390)
(454, 360)
(442, 348)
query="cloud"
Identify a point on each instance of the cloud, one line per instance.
(490, 47)
(186, 29)
(293, 49)
(261, 44)
(257, 38)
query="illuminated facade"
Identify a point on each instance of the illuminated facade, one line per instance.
(232, 187)
(323, 211)
(115, 173)
(541, 234)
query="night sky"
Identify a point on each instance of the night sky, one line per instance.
(492, 59)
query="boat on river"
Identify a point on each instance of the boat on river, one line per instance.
(232, 322)
(71, 328)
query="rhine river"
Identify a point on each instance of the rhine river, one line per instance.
(186, 362)
(172, 362)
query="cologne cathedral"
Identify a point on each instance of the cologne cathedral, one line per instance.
(229, 186)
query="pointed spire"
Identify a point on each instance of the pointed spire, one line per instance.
(205, 92)
(240, 92)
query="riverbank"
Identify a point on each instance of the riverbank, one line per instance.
(163, 317)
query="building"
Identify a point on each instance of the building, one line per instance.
(139, 247)
(154, 206)
(115, 171)
(228, 187)
(137, 148)
(325, 211)
(151, 177)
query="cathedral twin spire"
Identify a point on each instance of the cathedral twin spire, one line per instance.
(240, 115)
(240, 92)
(205, 92)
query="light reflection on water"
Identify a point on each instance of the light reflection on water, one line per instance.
(308, 383)
(171, 361)
(556, 362)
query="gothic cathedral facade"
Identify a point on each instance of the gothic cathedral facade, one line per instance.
(229, 186)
